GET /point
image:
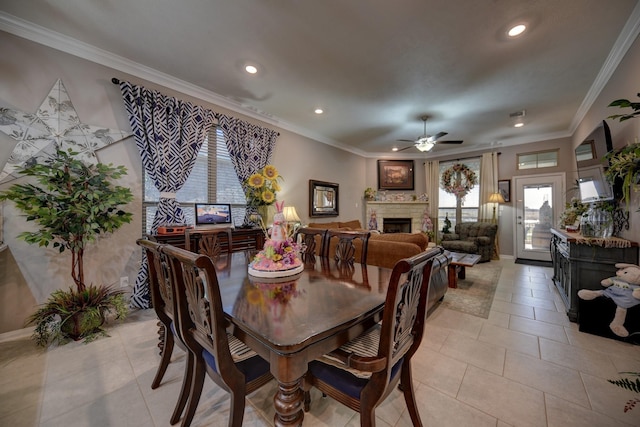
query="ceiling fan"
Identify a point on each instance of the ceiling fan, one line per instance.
(427, 142)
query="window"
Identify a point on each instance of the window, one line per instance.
(470, 203)
(212, 179)
(543, 159)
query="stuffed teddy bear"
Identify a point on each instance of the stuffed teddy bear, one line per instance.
(624, 290)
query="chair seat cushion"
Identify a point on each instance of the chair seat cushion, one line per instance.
(460, 246)
(250, 364)
(342, 379)
(365, 345)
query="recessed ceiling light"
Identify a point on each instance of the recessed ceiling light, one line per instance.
(518, 125)
(318, 111)
(516, 30)
(251, 69)
(394, 149)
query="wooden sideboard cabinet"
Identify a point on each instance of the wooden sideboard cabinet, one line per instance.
(242, 238)
(580, 263)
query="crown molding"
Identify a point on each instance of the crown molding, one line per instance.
(38, 34)
(627, 36)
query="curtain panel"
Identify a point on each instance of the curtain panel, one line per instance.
(432, 175)
(488, 185)
(168, 133)
(250, 148)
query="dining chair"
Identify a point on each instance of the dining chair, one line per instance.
(201, 322)
(345, 249)
(363, 372)
(312, 240)
(208, 241)
(161, 282)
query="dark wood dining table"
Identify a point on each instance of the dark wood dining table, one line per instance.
(293, 320)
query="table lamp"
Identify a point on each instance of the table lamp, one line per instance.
(291, 217)
(495, 198)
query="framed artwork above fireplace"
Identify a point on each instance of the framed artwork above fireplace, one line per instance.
(395, 174)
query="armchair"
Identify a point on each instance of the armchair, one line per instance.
(472, 238)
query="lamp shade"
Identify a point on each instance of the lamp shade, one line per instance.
(290, 214)
(496, 198)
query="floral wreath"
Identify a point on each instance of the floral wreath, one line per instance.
(461, 187)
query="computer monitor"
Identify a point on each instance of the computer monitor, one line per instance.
(213, 213)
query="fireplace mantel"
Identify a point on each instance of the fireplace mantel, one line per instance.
(397, 209)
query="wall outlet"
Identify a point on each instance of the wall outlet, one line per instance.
(124, 281)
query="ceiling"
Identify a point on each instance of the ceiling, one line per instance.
(374, 66)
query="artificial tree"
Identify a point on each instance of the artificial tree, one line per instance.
(73, 205)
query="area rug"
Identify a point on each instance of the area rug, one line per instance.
(474, 294)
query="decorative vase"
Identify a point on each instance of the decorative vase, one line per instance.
(266, 212)
(596, 223)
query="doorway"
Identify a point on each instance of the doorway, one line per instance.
(539, 202)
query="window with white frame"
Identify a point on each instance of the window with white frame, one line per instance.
(213, 179)
(447, 205)
(542, 159)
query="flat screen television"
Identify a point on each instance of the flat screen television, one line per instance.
(592, 166)
(213, 213)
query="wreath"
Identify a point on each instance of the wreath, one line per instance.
(458, 180)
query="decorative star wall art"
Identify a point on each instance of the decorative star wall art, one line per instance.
(54, 126)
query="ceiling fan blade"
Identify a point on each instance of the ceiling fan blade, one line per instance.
(406, 140)
(405, 148)
(451, 142)
(440, 135)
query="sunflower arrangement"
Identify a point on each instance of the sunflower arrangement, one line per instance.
(261, 187)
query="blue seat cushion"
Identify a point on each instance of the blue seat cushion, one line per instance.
(342, 380)
(252, 367)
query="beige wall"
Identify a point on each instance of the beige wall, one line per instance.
(28, 274)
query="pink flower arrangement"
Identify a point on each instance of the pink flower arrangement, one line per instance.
(277, 255)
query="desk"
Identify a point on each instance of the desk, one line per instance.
(243, 239)
(306, 318)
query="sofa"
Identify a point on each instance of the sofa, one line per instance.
(472, 238)
(384, 250)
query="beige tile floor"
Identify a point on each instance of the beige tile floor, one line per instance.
(526, 365)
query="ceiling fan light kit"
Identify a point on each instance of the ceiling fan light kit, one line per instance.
(426, 142)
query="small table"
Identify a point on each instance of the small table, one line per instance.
(458, 263)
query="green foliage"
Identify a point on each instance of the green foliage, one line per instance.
(625, 103)
(76, 314)
(624, 165)
(629, 384)
(73, 204)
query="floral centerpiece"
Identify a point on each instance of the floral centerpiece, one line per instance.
(458, 180)
(573, 211)
(277, 255)
(369, 193)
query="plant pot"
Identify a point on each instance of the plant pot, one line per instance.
(80, 325)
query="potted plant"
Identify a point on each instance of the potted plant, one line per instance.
(73, 205)
(624, 164)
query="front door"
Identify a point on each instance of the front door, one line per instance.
(539, 202)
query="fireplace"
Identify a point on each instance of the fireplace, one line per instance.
(396, 225)
(382, 212)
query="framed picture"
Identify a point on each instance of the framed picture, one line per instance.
(504, 187)
(395, 174)
(323, 198)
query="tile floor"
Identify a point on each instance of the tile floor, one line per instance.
(526, 365)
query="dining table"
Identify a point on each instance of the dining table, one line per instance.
(292, 320)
